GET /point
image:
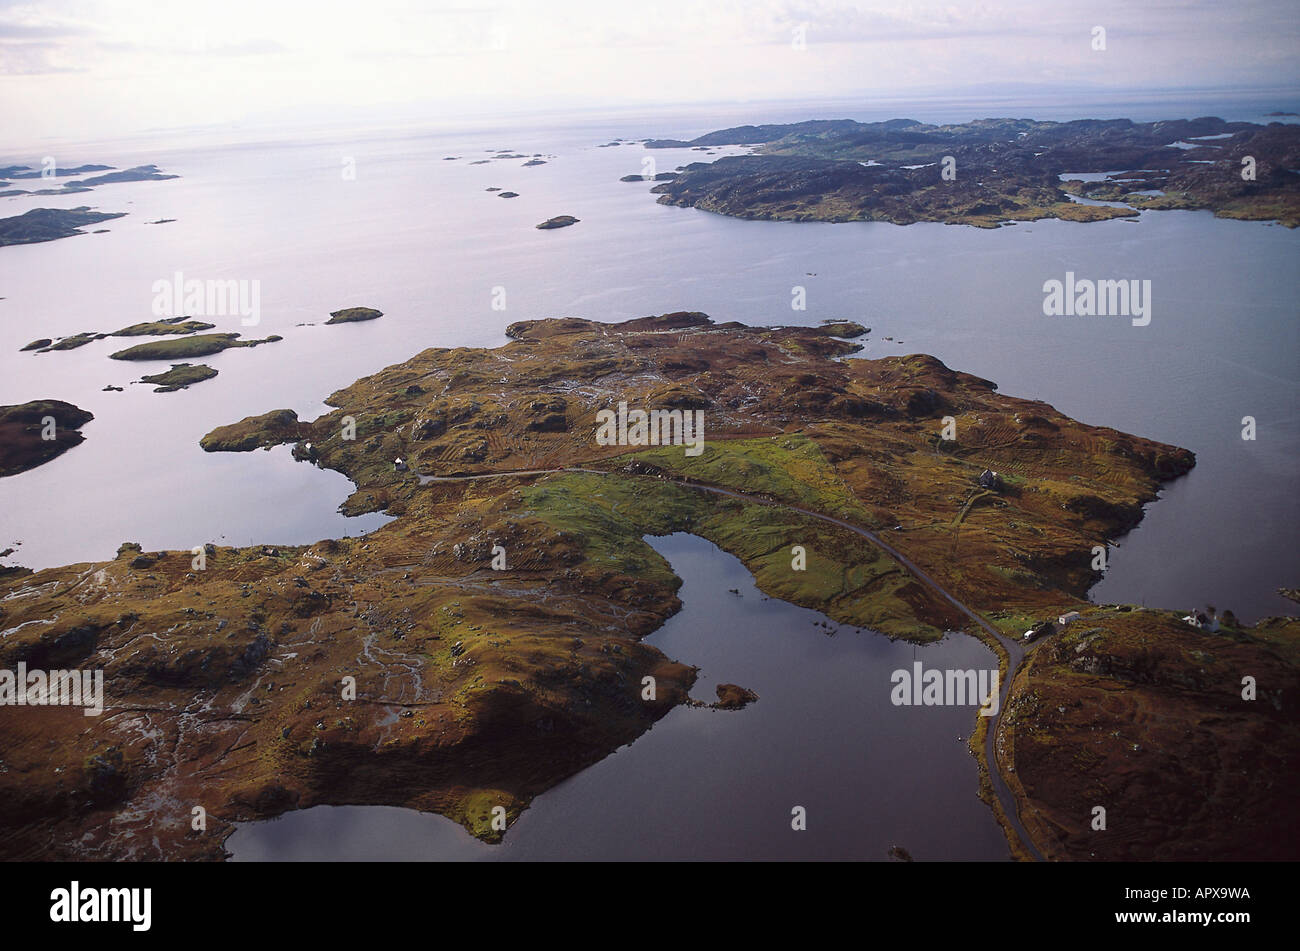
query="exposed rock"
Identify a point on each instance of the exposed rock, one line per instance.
(559, 221)
(351, 315)
(732, 697)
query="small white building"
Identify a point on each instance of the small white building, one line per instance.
(1065, 619)
(1203, 621)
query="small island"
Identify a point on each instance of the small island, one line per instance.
(733, 697)
(559, 221)
(171, 326)
(68, 343)
(198, 345)
(179, 377)
(352, 315)
(27, 172)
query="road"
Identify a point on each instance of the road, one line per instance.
(1015, 651)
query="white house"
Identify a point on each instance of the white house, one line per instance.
(1198, 619)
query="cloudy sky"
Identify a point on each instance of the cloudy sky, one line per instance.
(81, 68)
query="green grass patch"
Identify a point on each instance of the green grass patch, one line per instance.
(845, 576)
(790, 468)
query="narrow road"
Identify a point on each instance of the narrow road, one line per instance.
(1015, 651)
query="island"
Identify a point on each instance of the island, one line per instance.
(733, 697)
(992, 171)
(179, 377)
(34, 433)
(140, 173)
(352, 315)
(50, 224)
(559, 221)
(195, 345)
(68, 343)
(474, 691)
(170, 326)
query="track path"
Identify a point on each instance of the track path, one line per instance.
(1015, 651)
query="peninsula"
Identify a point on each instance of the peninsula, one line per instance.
(487, 643)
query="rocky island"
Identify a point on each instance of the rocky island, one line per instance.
(140, 173)
(352, 315)
(194, 345)
(559, 221)
(991, 171)
(50, 224)
(474, 687)
(165, 327)
(34, 433)
(180, 377)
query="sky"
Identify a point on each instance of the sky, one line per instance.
(84, 68)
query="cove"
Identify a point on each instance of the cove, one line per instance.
(706, 784)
